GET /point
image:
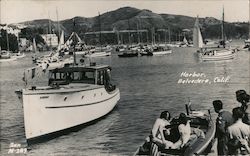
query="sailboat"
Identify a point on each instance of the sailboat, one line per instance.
(99, 52)
(61, 42)
(5, 55)
(157, 49)
(184, 43)
(216, 54)
(35, 58)
(197, 37)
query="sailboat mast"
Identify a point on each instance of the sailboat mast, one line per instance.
(169, 35)
(100, 26)
(74, 41)
(249, 20)
(58, 28)
(129, 40)
(7, 38)
(222, 26)
(50, 46)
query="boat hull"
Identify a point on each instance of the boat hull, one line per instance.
(57, 111)
(128, 55)
(200, 146)
(223, 55)
(8, 59)
(98, 54)
(19, 56)
(162, 52)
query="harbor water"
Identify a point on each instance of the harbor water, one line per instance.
(148, 85)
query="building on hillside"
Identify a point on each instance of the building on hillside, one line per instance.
(50, 39)
(10, 30)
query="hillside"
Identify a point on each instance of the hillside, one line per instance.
(133, 18)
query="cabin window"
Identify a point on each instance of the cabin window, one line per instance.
(77, 76)
(100, 77)
(85, 77)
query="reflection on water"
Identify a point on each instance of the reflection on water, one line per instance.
(148, 85)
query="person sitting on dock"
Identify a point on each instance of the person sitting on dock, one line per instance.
(244, 98)
(184, 131)
(159, 128)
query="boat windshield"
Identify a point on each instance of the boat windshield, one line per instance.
(89, 76)
(72, 77)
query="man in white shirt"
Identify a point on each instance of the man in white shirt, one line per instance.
(240, 131)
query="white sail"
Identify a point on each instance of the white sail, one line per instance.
(197, 38)
(185, 40)
(61, 42)
(34, 45)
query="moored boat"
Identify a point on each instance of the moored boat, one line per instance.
(219, 53)
(129, 54)
(18, 55)
(216, 55)
(98, 54)
(198, 145)
(159, 50)
(75, 96)
(6, 57)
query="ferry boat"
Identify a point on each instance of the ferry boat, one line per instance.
(198, 145)
(74, 97)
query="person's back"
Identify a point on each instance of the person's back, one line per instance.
(239, 132)
(184, 130)
(223, 120)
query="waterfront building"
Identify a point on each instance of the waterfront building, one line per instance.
(50, 39)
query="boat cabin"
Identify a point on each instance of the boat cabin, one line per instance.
(95, 74)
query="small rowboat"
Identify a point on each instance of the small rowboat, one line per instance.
(198, 145)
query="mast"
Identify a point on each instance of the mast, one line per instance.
(165, 36)
(58, 28)
(100, 26)
(138, 35)
(222, 27)
(249, 21)
(169, 35)
(129, 33)
(50, 46)
(7, 38)
(74, 39)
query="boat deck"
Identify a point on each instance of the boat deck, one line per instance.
(73, 87)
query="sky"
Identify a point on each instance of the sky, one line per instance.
(14, 11)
